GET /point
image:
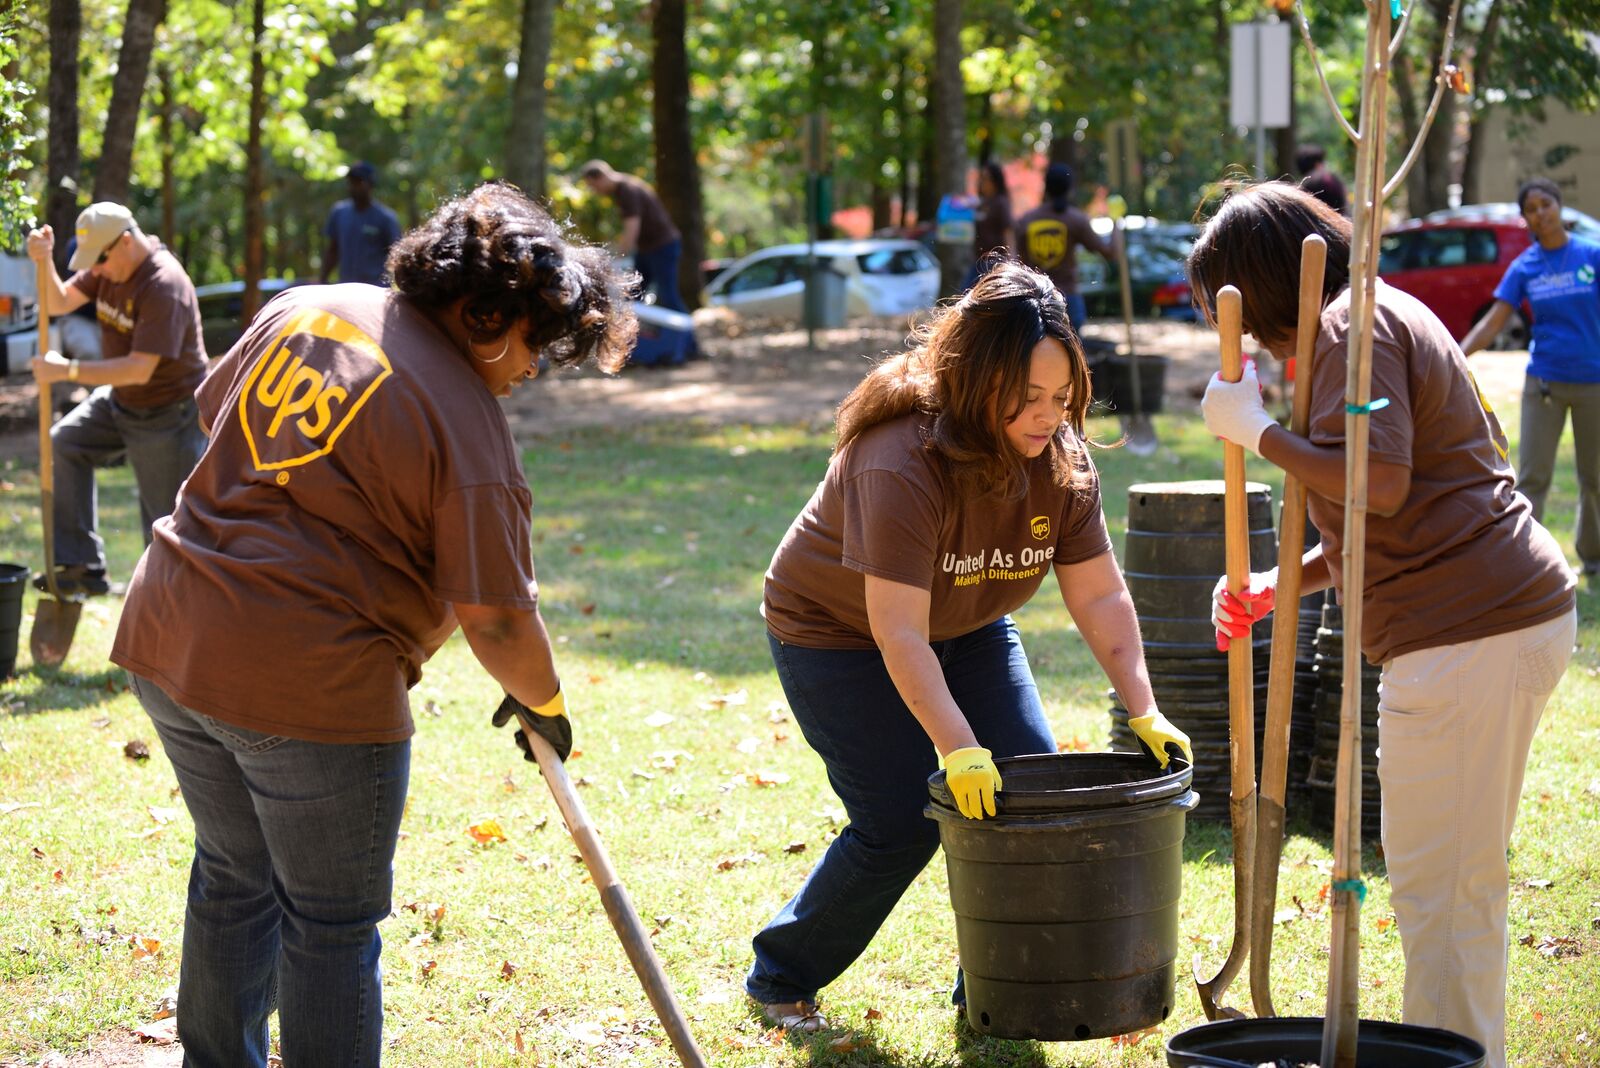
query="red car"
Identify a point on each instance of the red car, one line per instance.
(1453, 260)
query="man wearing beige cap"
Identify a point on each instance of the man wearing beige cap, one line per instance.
(140, 408)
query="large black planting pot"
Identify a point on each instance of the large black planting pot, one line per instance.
(1066, 900)
(1298, 1040)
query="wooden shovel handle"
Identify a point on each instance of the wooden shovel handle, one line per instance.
(624, 920)
(47, 475)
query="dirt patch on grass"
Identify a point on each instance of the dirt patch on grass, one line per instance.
(115, 1049)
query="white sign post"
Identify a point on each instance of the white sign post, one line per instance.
(1261, 86)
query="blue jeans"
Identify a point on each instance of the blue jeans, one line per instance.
(293, 868)
(162, 445)
(1077, 311)
(658, 272)
(878, 759)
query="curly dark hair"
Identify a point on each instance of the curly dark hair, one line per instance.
(1537, 185)
(969, 371)
(501, 251)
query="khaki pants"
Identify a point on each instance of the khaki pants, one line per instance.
(1454, 727)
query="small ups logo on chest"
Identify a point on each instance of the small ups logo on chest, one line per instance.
(292, 412)
(1039, 527)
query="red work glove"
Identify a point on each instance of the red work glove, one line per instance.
(1234, 614)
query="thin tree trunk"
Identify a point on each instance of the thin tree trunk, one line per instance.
(1482, 60)
(62, 157)
(127, 92)
(169, 191)
(902, 123)
(677, 169)
(927, 182)
(950, 131)
(525, 140)
(1411, 122)
(255, 222)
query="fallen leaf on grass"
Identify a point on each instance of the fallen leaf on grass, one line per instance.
(658, 719)
(729, 863)
(590, 1034)
(748, 745)
(428, 967)
(1076, 745)
(8, 807)
(1385, 922)
(100, 724)
(1133, 1038)
(735, 698)
(507, 969)
(587, 609)
(36, 853)
(1539, 884)
(1285, 915)
(166, 1005)
(767, 778)
(773, 1037)
(137, 750)
(667, 759)
(872, 1014)
(846, 1044)
(1558, 946)
(144, 947)
(795, 847)
(486, 832)
(163, 815)
(161, 1032)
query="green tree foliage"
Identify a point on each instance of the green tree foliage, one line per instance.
(16, 136)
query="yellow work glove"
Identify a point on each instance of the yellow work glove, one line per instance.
(1155, 733)
(971, 776)
(549, 719)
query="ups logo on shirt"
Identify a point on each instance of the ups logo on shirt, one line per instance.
(1047, 243)
(292, 413)
(1039, 526)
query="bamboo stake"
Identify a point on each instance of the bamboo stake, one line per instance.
(1285, 642)
(1342, 1021)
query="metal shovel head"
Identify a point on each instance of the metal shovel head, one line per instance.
(54, 623)
(1142, 439)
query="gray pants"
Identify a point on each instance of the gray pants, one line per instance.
(1545, 405)
(163, 444)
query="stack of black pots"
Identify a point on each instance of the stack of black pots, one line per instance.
(1175, 550)
(1329, 696)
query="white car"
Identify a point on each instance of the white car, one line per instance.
(882, 276)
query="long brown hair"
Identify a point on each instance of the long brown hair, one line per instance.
(968, 370)
(1253, 242)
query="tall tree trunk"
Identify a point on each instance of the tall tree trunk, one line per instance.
(525, 147)
(1482, 60)
(902, 139)
(169, 191)
(927, 180)
(62, 158)
(127, 92)
(677, 169)
(1410, 122)
(255, 221)
(950, 131)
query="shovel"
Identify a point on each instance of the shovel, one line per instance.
(618, 908)
(1285, 639)
(55, 618)
(1141, 435)
(1241, 682)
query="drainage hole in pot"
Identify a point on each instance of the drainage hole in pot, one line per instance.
(1166, 1010)
(984, 1017)
(1081, 1031)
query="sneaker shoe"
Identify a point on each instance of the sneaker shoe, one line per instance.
(801, 1017)
(77, 580)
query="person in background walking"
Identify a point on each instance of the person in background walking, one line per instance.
(140, 409)
(1469, 605)
(361, 497)
(648, 233)
(1051, 234)
(961, 478)
(1559, 276)
(994, 235)
(359, 232)
(1315, 178)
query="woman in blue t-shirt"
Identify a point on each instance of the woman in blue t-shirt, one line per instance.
(1556, 275)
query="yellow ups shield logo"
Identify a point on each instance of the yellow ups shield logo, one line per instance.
(293, 413)
(1039, 525)
(1047, 243)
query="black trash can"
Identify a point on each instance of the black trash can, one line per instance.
(13, 580)
(1066, 900)
(1298, 1040)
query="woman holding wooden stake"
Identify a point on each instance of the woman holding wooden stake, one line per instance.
(961, 478)
(1469, 602)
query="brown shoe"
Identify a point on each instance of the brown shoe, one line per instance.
(800, 1016)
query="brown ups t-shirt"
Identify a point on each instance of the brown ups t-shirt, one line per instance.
(885, 508)
(636, 198)
(1050, 240)
(360, 479)
(1463, 558)
(154, 311)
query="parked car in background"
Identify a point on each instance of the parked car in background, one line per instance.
(881, 277)
(1452, 260)
(1157, 276)
(222, 310)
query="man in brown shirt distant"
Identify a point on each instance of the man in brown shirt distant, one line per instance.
(141, 406)
(648, 234)
(1048, 238)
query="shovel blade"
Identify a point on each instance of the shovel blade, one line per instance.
(54, 624)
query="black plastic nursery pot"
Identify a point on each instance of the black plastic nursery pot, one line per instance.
(1298, 1040)
(13, 579)
(1066, 900)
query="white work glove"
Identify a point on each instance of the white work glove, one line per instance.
(1234, 410)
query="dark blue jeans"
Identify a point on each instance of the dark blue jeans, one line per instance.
(293, 868)
(658, 272)
(879, 759)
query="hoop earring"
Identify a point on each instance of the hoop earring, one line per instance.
(503, 350)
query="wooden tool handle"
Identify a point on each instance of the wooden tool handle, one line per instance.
(47, 474)
(624, 920)
(1236, 516)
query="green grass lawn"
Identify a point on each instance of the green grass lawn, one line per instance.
(650, 546)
